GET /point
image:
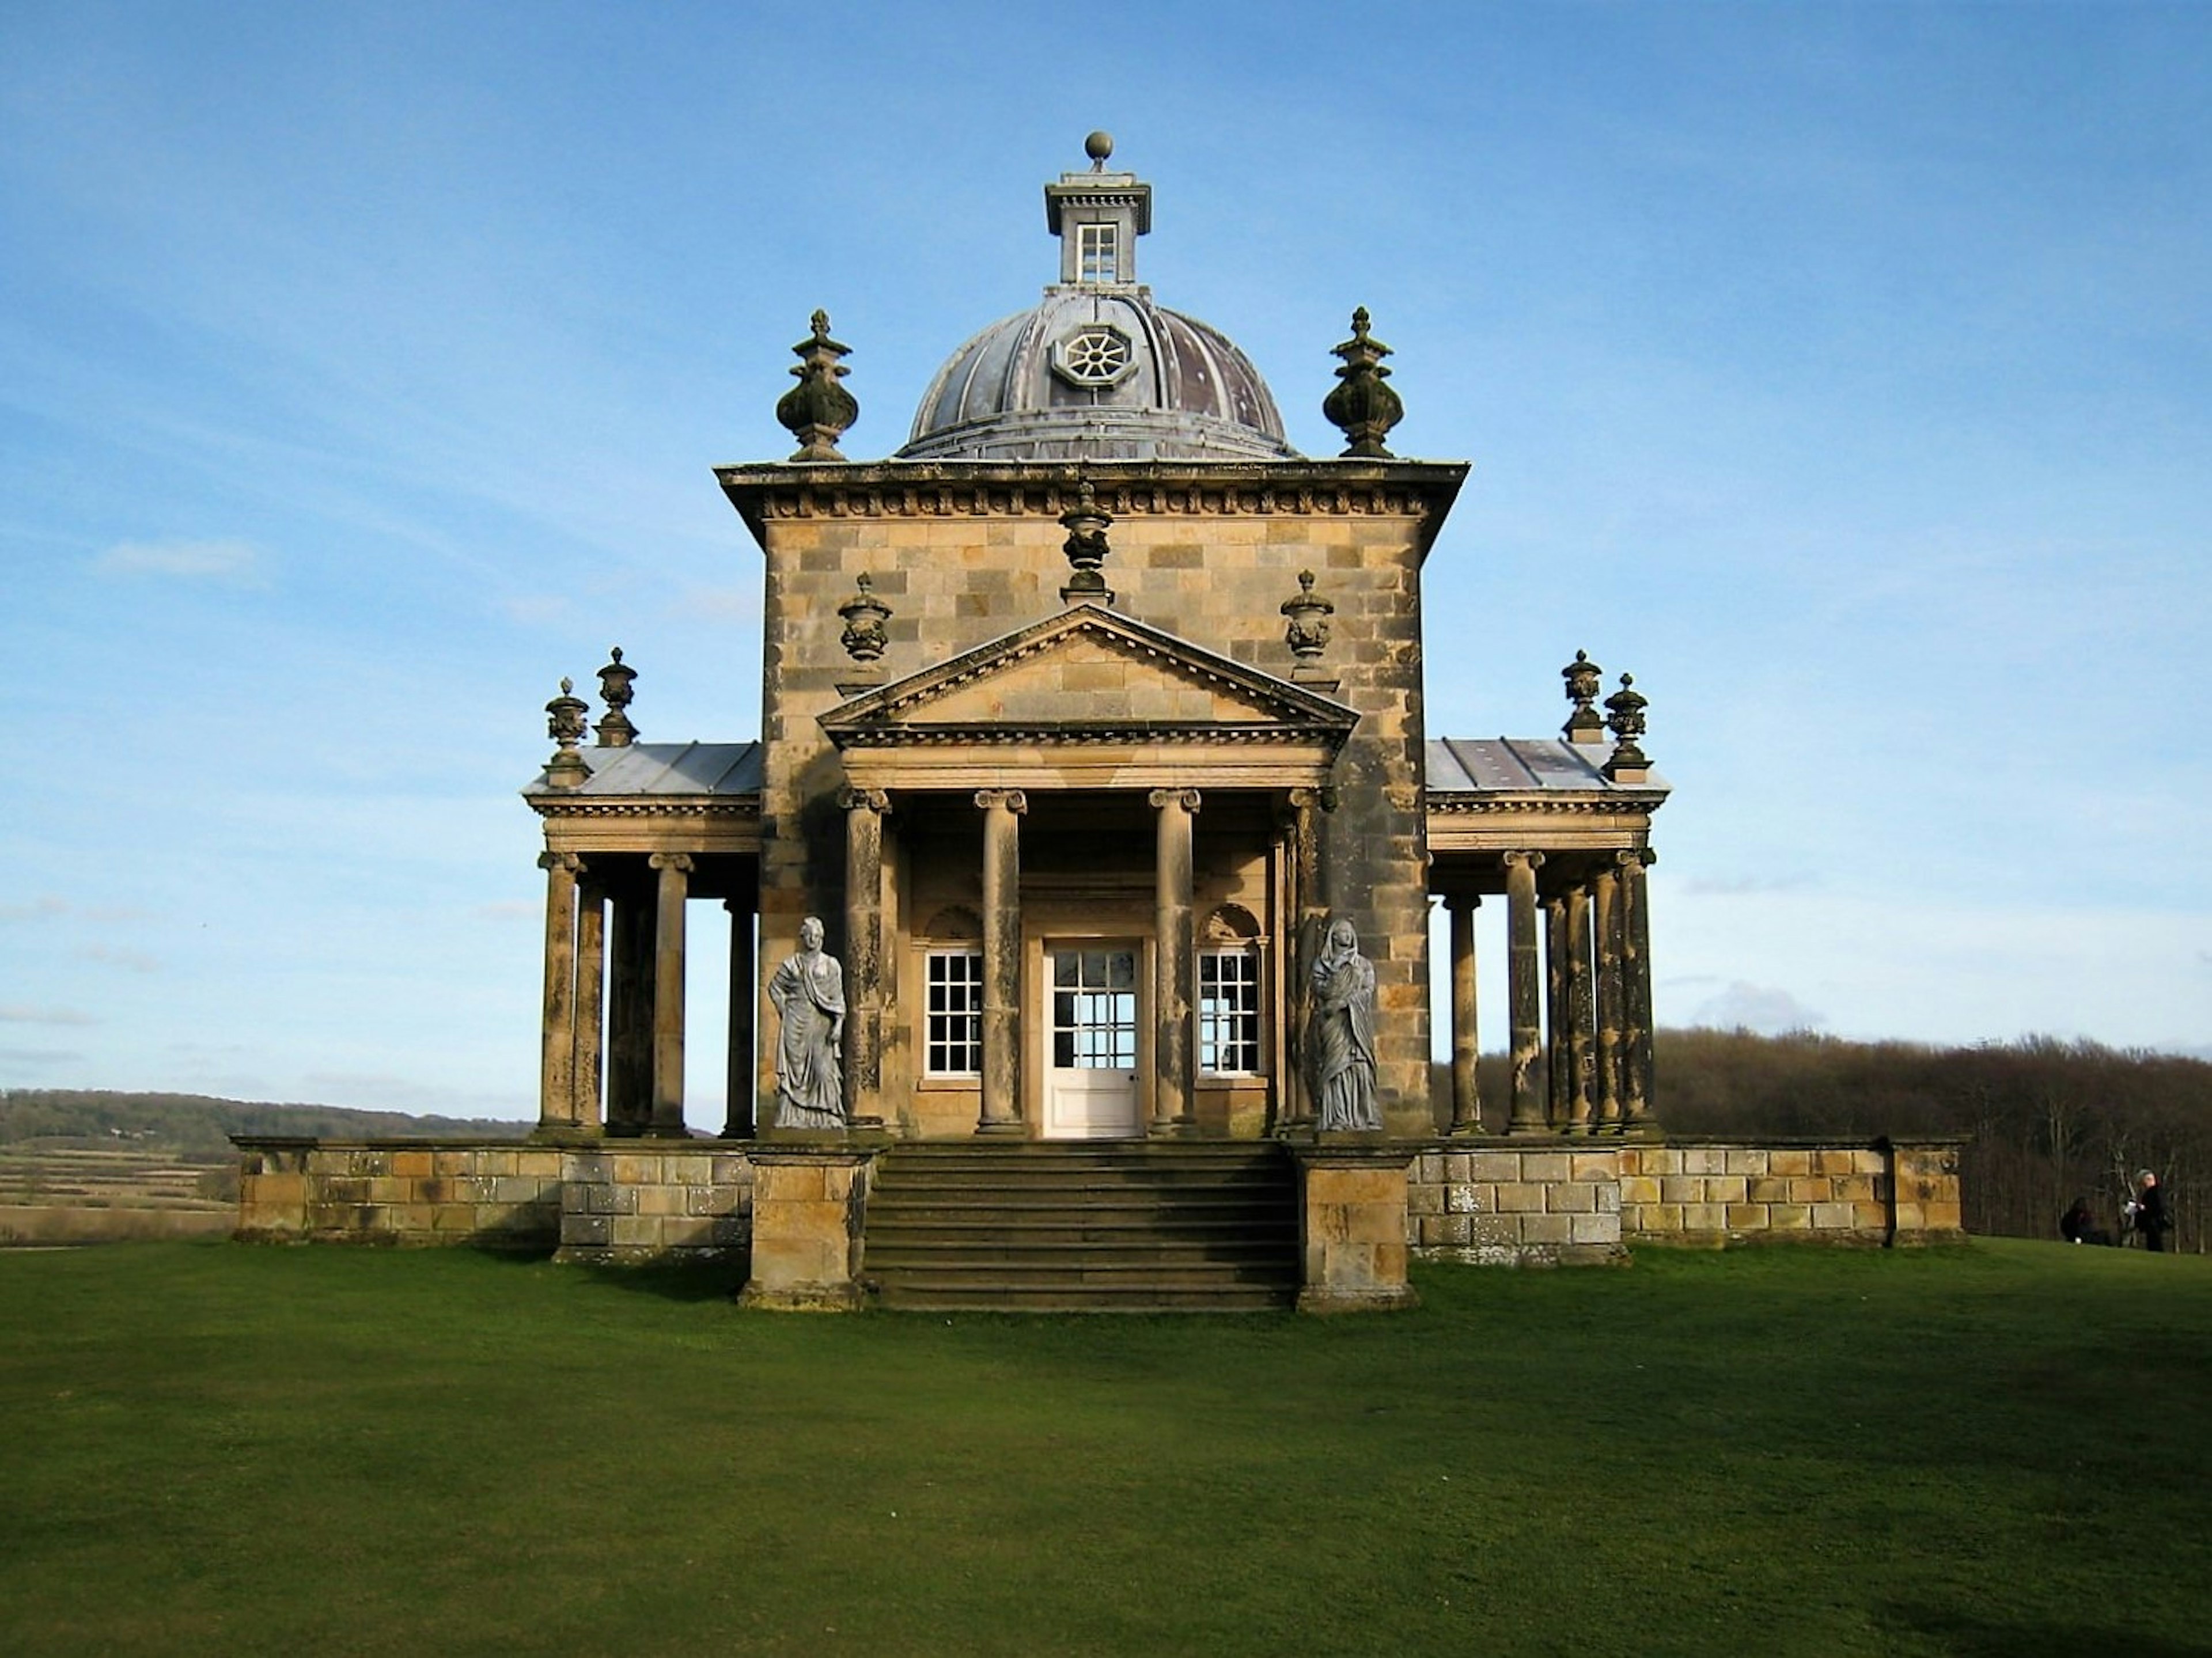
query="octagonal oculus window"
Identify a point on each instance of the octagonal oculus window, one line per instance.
(1094, 354)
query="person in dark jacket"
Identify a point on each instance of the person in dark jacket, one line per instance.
(2078, 1225)
(2151, 1219)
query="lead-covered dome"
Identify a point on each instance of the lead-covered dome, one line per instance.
(1097, 370)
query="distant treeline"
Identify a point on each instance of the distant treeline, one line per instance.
(194, 1125)
(2049, 1121)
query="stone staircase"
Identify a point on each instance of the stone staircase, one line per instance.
(1098, 1226)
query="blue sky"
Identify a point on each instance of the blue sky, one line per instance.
(1843, 372)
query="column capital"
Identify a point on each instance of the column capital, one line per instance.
(1012, 799)
(854, 800)
(1456, 902)
(1530, 861)
(1161, 799)
(560, 860)
(679, 861)
(1308, 799)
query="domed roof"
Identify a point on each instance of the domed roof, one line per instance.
(1097, 370)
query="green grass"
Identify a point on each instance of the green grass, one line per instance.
(2004, 1448)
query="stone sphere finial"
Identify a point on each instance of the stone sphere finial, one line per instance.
(1098, 146)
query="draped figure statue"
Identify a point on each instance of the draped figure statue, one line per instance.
(809, 994)
(1340, 1043)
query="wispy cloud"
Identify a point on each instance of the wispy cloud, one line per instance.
(718, 603)
(1767, 1008)
(37, 909)
(1738, 886)
(231, 563)
(38, 1055)
(537, 610)
(116, 955)
(22, 1013)
(506, 909)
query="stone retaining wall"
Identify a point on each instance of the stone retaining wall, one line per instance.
(1502, 1203)
(1494, 1202)
(501, 1195)
(1507, 1207)
(673, 1201)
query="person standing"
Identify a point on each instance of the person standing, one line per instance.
(2151, 1218)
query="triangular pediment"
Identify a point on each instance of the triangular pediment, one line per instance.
(1090, 671)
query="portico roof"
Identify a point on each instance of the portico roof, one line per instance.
(661, 769)
(1526, 765)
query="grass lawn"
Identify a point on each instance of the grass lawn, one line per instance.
(2002, 1448)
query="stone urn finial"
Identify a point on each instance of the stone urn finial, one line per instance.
(616, 680)
(1306, 630)
(817, 411)
(1087, 523)
(1584, 679)
(1623, 717)
(1362, 406)
(564, 724)
(864, 614)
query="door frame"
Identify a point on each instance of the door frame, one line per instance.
(1038, 1020)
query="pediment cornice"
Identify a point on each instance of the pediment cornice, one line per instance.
(1003, 692)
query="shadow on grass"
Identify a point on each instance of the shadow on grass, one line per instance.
(685, 1281)
(1979, 1637)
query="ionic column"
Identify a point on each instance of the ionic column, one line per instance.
(1306, 808)
(1582, 1012)
(557, 1089)
(1002, 959)
(1467, 1096)
(1637, 1081)
(675, 868)
(745, 1002)
(1309, 914)
(1521, 983)
(1604, 898)
(1560, 1057)
(1174, 959)
(591, 1003)
(864, 952)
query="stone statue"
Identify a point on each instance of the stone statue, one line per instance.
(809, 994)
(1339, 1042)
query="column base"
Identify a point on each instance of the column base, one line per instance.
(1316, 1298)
(812, 1298)
(1015, 1130)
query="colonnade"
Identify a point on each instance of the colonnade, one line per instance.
(615, 951)
(1002, 810)
(1578, 996)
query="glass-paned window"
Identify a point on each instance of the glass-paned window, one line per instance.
(954, 1042)
(1229, 1011)
(1094, 1010)
(1098, 254)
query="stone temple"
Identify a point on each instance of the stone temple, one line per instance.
(1093, 734)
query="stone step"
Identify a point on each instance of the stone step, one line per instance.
(1077, 1250)
(1021, 1209)
(907, 1296)
(1113, 1226)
